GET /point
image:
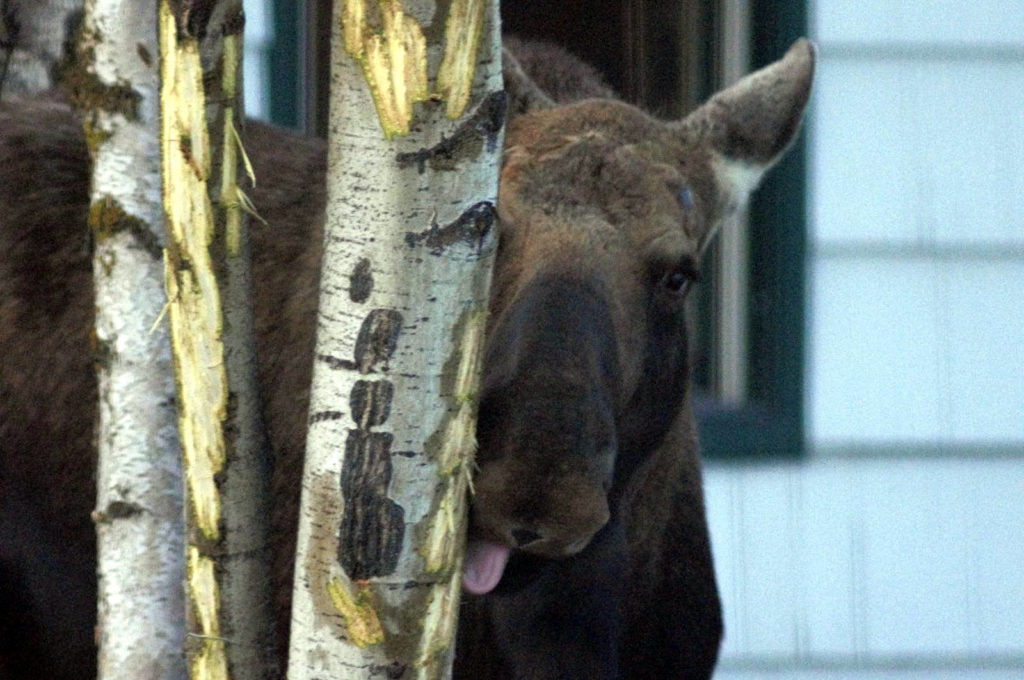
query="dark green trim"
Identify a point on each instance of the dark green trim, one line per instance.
(283, 69)
(771, 424)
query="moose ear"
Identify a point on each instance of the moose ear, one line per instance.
(524, 95)
(750, 124)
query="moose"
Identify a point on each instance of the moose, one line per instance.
(588, 554)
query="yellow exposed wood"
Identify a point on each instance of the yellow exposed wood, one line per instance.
(361, 620)
(229, 191)
(394, 60)
(441, 544)
(462, 39)
(211, 661)
(192, 292)
(354, 27)
(194, 309)
(439, 626)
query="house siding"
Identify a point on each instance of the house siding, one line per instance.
(896, 549)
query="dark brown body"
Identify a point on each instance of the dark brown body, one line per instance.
(588, 457)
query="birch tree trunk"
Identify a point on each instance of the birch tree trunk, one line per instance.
(224, 446)
(138, 516)
(409, 240)
(33, 34)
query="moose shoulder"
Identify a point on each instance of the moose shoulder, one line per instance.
(588, 554)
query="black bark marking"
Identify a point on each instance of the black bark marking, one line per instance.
(326, 415)
(370, 402)
(377, 340)
(360, 282)
(144, 54)
(335, 363)
(117, 510)
(472, 226)
(373, 526)
(481, 128)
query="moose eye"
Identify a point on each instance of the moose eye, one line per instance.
(678, 280)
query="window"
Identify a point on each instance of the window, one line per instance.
(667, 57)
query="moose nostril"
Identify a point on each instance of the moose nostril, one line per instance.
(524, 537)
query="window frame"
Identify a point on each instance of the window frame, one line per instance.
(768, 424)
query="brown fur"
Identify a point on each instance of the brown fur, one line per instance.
(587, 439)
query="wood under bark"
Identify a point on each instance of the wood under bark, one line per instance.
(138, 508)
(224, 446)
(409, 244)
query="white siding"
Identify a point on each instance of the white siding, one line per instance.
(917, 151)
(871, 563)
(917, 223)
(259, 36)
(887, 562)
(981, 22)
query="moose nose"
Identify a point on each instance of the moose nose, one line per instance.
(524, 537)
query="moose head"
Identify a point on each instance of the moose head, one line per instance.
(605, 213)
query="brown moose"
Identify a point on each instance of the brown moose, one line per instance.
(589, 554)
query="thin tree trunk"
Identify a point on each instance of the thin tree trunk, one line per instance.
(224, 446)
(409, 241)
(138, 515)
(33, 35)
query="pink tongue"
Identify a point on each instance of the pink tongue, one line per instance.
(485, 563)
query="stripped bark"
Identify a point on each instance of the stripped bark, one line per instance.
(33, 36)
(224, 446)
(409, 240)
(138, 511)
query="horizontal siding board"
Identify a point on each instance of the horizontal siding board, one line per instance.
(915, 558)
(918, 152)
(983, 328)
(720, 489)
(830, 537)
(826, 671)
(944, 21)
(906, 563)
(997, 558)
(873, 369)
(772, 594)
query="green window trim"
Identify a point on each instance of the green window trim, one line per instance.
(770, 424)
(283, 78)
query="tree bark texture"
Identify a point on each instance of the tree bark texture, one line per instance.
(138, 512)
(224, 446)
(409, 243)
(33, 36)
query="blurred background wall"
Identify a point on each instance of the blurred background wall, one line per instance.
(895, 548)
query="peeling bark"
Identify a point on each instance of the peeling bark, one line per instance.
(225, 452)
(138, 510)
(409, 246)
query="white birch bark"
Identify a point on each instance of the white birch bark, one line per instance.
(408, 250)
(138, 515)
(226, 459)
(37, 31)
